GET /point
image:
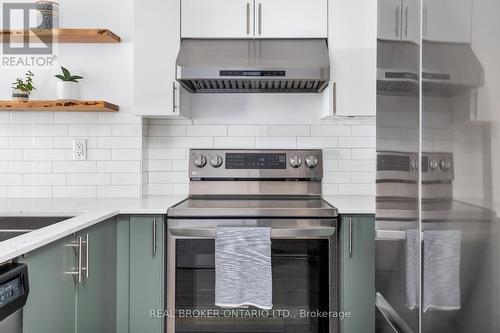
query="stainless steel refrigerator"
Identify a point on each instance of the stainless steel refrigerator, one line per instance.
(438, 166)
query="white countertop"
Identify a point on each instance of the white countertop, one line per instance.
(352, 204)
(88, 212)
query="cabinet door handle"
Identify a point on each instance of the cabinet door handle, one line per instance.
(350, 237)
(155, 247)
(78, 272)
(248, 18)
(260, 18)
(87, 260)
(334, 98)
(398, 11)
(174, 97)
(406, 21)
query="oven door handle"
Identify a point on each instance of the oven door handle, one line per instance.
(275, 233)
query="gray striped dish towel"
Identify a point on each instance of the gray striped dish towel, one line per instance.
(243, 274)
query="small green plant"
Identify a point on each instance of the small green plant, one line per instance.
(67, 77)
(25, 85)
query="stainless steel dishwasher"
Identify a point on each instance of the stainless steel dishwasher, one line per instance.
(14, 289)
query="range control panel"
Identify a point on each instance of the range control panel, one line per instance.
(255, 161)
(256, 164)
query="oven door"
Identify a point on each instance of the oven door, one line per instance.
(304, 268)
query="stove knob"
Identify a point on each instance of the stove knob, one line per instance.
(311, 161)
(216, 161)
(445, 164)
(200, 161)
(433, 164)
(295, 161)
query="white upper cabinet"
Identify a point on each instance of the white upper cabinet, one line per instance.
(389, 19)
(447, 20)
(156, 44)
(217, 19)
(399, 20)
(352, 41)
(291, 19)
(254, 19)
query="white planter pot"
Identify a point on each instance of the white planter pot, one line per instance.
(68, 91)
(20, 95)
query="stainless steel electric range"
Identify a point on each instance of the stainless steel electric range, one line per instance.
(280, 189)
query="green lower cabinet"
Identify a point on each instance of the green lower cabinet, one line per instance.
(57, 302)
(51, 302)
(146, 293)
(357, 273)
(96, 295)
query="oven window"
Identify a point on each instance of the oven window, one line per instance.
(300, 285)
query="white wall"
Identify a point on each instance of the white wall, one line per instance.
(128, 156)
(35, 147)
(348, 149)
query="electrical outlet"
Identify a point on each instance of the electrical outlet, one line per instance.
(79, 149)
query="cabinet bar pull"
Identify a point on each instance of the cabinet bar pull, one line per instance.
(154, 238)
(260, 18)
(78, 271)
(406, 21)
(87, 256)
(248, 18)
(350, 237)
(398, 10)
(174, 99)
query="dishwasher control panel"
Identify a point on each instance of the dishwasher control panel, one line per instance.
(14, 288)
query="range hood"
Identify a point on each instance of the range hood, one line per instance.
(253, 66)
(447, 68)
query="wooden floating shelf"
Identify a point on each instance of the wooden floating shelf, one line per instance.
(63, 106)
(60, 36)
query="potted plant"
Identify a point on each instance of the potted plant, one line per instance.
(67, 87)
(21, 89)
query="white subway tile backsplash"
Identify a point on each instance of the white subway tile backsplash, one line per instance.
(4, 117)
(314, 142)
(127, 130)
(46, 130)
(206, 130)
(170, 177)
(118, 166)
(119, 142)
(356, 189)
(363, 154)
(8, 179)
(75, 191)
(118, 191)
(89, 179)
(363, 177)
(31, 142)
(357, 142)
(337, 177)
(159, 141)
(276, 142)
(126, 179)
(32, 117)
(74, 167)
(289, 130)
(85, 130)
(163, 165)
(198, 142)
(248, 130)
(44, 179)
(11, 130)
(4, 142)
(75, 118)
(44, 154)
(234, 142)
(167, 130)
(357, 165)
(166, 153)
(11, 154)
(364, 130)
(331, 130)
(16, 167)
(126, 154)
(29, 191)
(337, 154)
(4, 167)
